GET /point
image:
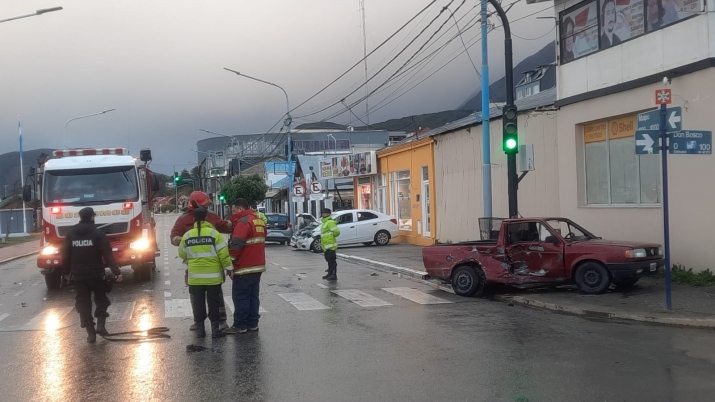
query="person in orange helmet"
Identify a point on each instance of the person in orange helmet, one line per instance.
(185, 222)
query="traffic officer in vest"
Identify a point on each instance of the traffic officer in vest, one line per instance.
(185, 222)
(259, 214)
(85, 251)
(206, 252)
(328, 233)
(248, 250)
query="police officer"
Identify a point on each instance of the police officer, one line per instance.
(206, 253)
(259, 214)
(328, 233)
(185, 222)
(85, 253)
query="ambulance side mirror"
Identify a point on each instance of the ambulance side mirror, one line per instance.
(154, 183)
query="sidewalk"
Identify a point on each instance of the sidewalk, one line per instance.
(645, 302)
(13, 252)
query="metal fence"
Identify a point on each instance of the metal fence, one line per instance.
(12, 220)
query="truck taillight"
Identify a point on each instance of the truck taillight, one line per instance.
(55, 210)
(128, 205)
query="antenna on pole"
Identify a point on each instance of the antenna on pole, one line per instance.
(364, 46)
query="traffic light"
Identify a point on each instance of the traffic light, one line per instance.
(511, 132)
(177, 178)
(222, 197)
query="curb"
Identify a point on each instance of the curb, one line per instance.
(678, 322)
(406, 273)
(17, 257)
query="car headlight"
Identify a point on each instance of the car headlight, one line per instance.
(141, 244)
(660, 250)
(636, 253)
(50, 250)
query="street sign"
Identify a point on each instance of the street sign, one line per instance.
(663, 97)
(691, 142)
(316, 187)
(298, 190)
(217, 172)
(651, 120)
(317, 197)
(647, 142)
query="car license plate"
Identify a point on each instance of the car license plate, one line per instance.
(653, 267)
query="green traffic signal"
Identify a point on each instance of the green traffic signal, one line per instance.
(222, 198)
(511, 130)
(510, 143)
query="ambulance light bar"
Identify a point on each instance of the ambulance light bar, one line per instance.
(84, 152)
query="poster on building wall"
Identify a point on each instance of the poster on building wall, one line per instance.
(579, 31)
(351, 165)
(594, 132)
(660, 13)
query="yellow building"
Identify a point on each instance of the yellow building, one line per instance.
(403, 188)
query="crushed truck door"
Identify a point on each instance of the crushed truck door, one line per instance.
(534, 252)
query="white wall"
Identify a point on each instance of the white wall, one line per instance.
(458, 176)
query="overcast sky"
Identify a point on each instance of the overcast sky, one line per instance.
(160, 64)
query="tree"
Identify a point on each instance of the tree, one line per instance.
(252, 188)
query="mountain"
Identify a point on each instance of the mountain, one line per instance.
(414, 123)
(10, 168)
(497, 90)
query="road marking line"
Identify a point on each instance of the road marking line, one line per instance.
(320, 285)
(3, 316)
(284, 268)
(167, 294)
(415, 295)
(121, 311)
(228, 301)
(19, 293)
(177, 308)
(361, 298)
(167, 282)
(301, 275)
(302, 301)
(45, 318)
(275, 264)
(166, 273)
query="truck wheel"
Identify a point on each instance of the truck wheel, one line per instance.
(468, 281)
(626, 283)
(382, 238)
(592, 278)
(53, 280)
(316, 246)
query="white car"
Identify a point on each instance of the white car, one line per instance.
(356, 226)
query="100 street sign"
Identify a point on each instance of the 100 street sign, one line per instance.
(697, 142)
(651, 120)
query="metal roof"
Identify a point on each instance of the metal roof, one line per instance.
(543, 98)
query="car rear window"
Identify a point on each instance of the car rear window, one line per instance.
(277, 219)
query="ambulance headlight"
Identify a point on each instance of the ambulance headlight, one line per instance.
(141, 244)
(50, 250)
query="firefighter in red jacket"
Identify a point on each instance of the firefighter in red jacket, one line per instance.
(186, 223)
(248, 251)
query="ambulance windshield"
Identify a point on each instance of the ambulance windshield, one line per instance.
(91, 186)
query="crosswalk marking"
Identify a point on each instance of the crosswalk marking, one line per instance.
(320, 285)
(3, 316)
(121, 311)
(415, 295)
(361, 298)
(167, 294)
(19, 293)
(302, 301)
(228, 301)
(177, 308)
(47, 318)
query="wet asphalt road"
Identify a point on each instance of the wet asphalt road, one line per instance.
(325, 347)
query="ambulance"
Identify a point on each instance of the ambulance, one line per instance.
(120, 188)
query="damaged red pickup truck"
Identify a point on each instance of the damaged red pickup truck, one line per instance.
(540, 252)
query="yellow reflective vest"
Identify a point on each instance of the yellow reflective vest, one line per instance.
(262, 216)
(328, 233)
(207, 255)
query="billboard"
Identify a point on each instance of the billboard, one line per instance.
(579, 31)
(350, 165)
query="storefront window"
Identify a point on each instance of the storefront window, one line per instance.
(615, 175)
(401, 198)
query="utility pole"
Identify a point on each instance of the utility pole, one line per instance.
(486, 139)
(512, 178)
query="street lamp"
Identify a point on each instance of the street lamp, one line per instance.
(288, 121)
(335, 149)
(38, 12)
(77, 118)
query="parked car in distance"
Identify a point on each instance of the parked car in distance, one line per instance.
(356, 226)
(538, 252)
(278, 228)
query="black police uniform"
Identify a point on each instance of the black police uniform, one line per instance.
(84, 253)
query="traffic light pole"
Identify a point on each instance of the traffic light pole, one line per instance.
(512, 178)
